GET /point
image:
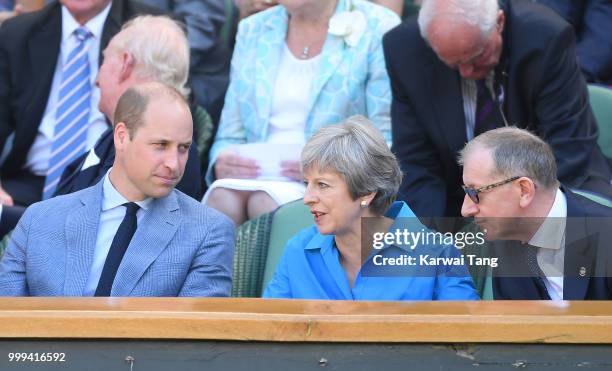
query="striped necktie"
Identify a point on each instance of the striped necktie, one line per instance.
(72, 115)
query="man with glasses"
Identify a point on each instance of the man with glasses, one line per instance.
(554, 244)
(469, 66)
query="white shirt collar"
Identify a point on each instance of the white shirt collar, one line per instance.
(551, 233)
(94, 25)
(112, 198)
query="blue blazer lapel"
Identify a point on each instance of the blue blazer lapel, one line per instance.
(331, 56)
(156, 229)
(81, 230)
(268, 53)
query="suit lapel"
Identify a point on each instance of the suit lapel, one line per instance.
(112, 25)
(81, 231)
(579, 253)
(43, 50)
(268, 53)
(155, 230)
(448, 104)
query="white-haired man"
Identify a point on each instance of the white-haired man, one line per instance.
(48, 100)
(468, 66)
(136, 55)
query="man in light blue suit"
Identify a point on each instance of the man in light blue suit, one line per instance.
(132, 234)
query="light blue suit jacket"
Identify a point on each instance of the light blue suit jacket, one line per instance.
(352, 80)
(181, 248)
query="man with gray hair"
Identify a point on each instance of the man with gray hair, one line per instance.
(512, 192)
(468, 66)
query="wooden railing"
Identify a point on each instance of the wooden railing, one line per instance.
(306, 321)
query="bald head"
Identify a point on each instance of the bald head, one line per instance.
(465, 34)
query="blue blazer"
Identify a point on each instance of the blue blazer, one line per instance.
(352, 80)
(310, 269)
(181, 248)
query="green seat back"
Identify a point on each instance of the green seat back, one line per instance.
(252, 239)
(601, 102)
(204, 129)
(288, 220)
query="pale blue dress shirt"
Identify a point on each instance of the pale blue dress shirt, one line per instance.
(310, 269)
(111, 215)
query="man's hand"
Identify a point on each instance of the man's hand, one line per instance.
(5, 198)
(231, 165)
(291, 169)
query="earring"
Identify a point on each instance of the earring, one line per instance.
(364, 204)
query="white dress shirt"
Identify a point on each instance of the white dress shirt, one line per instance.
(111, 216)
(550, 240)
(37, 160)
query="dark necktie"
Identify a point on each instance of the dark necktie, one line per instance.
(121, 241)
(488, 116)
(534, 268)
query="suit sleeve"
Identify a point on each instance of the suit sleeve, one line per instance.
(423, 186)
(210, 274)
(592, 22)
(5, 89)
(13, 264)
(595, 43)
(562, 107)
(204, 20)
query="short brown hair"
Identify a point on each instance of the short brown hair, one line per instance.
(133, 103)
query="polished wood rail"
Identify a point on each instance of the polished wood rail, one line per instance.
(306, 321)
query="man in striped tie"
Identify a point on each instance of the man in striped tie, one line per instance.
(48, 99)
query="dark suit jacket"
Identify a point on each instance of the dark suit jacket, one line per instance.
(29, 48)
(592, 20)
(544, 92)
(587, 250)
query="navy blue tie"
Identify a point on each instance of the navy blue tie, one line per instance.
(121, 241)
(538, 275)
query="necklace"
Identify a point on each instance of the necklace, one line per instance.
(305, 52)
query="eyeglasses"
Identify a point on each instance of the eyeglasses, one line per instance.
(473, 192)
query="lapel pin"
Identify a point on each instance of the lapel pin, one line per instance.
(582, 271)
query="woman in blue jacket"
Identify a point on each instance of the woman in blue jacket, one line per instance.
(296, 68)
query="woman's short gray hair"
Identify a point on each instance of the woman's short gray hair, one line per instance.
(516, 152)
(160, 49)
(357, 151)
(479, 13)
